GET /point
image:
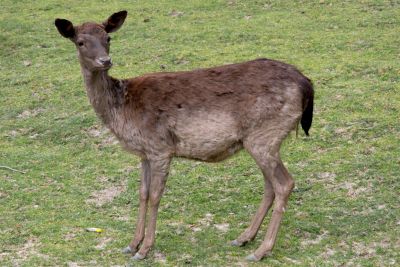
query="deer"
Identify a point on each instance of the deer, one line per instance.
(207, 114)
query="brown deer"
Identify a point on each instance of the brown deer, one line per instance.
(205, 114)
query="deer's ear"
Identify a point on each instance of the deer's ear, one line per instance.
(115, 21)
(65, 28)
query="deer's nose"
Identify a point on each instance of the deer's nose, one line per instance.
(105, 61)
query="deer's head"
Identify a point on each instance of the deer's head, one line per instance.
(92, 40)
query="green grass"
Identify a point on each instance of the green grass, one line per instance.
(345, 209)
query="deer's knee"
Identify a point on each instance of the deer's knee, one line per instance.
(143, 194)
(282, 181)
(155, 198)
(155, 195)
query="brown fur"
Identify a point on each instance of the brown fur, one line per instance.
(205, 114)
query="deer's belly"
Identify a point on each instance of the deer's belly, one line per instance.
(207, 136)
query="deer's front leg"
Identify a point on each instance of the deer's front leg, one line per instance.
(143, 198)
(159, 168)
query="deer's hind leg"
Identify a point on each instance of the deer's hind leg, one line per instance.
(250, 233)
(283, 184)
(265, 150)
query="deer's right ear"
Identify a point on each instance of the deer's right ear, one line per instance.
(65, 28)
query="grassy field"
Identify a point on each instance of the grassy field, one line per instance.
(345, 210)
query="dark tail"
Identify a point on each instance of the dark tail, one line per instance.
(308, 105)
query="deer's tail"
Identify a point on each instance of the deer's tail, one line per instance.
(308, 104)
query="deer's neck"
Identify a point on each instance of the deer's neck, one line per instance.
(105, 93)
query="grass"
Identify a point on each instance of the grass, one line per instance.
(345, 209)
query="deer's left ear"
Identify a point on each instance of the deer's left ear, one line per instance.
(115, 21)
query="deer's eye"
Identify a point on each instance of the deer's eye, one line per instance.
(81, 44)
(108, 39)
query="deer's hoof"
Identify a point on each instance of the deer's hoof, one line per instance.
(236, 243)
(127, 250)
(252, 257)
(138, 257)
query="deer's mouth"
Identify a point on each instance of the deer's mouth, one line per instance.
(103, 63)
(104, 67)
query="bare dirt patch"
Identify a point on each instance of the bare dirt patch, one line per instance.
(78, 264)
(223, 227)
(104, 196)
(22, 253)
(353, 190)
(363, 250)
(30, 113)
(160, 257)
(103, 243)
(314, 241)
